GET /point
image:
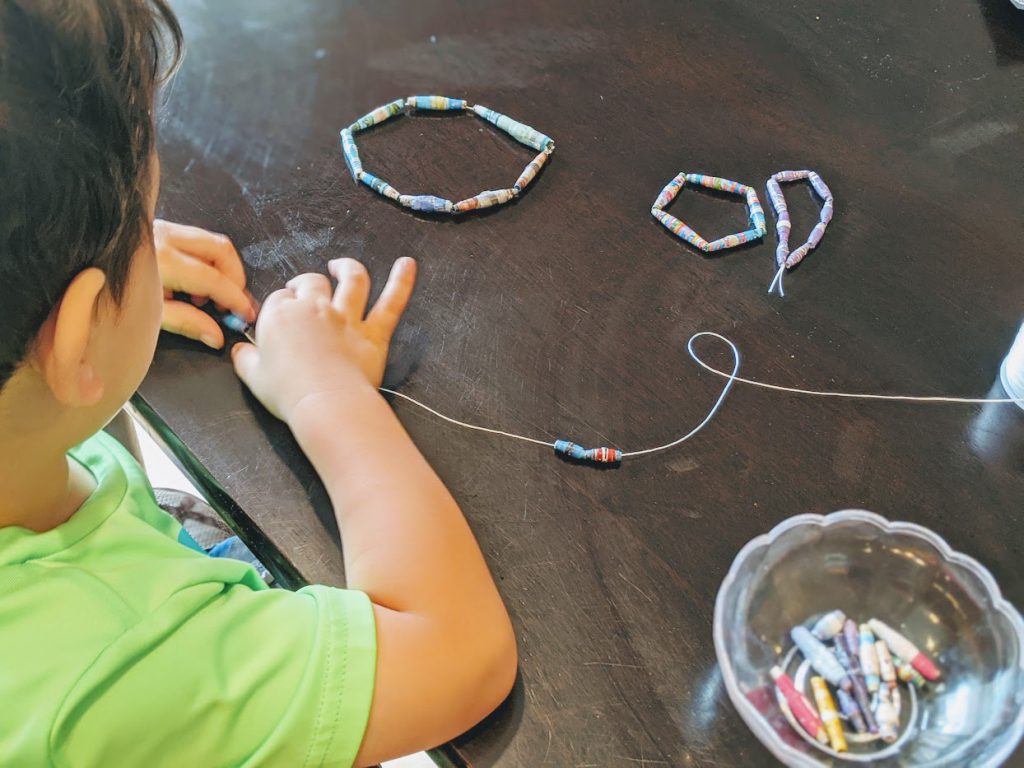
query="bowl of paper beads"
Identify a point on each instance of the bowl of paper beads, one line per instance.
(850, 639)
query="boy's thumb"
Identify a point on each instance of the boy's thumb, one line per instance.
(245, 358)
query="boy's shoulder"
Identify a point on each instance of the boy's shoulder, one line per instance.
(110, 626)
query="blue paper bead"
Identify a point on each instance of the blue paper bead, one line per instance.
(601, 455)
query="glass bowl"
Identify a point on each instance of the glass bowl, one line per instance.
(944, 601)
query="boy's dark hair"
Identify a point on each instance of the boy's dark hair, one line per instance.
(78, 80)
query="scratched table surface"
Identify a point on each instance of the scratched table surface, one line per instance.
(566, 313)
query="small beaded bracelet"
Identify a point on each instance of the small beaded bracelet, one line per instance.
(677, 227)
(783, 256)
(521, 132)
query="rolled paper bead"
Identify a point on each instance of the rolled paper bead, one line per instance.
(815, 237)
(852, 634)
(860, 691)
(351, 154)
(521, 132)
(824, 663)
(379, 186)
(437, 103)
(426, 203)
(679, 229)
(378, 116)
(669, 192)
(798, 704)
(851, 711)
(235, 323)
(902, 647)
(829, 715)
(530, 171)
(887, 717)
(598, 455)
(486, 199)
(869, 658)
(783, 226)
(756, 211)
(714, 182)
(907, 673)
(731, 241)
(829, 625)
(886, 669)
(820, 186)
(897, 698)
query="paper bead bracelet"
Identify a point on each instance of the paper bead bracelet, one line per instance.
(785, 258)
(522, 133)
(676, 227)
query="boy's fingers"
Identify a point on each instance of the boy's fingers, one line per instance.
(393, 299)
(353, 290)
(200, 279)
(184, 319)
(213, 248)
(311, 285)
(245, 358)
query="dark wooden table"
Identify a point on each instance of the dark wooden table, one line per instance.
(566, 313)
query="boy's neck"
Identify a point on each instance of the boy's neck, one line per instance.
(40, 486)
(41, 494)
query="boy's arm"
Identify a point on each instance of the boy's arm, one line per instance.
(446, 650)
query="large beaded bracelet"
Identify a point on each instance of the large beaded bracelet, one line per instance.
(521, 132)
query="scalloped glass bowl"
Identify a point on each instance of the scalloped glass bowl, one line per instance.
(945, 602)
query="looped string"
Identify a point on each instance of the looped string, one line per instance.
(609, 455)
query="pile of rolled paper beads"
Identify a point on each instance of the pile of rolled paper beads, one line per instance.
(522, 133)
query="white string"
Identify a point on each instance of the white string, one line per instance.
(625, 454)
(778, 281)
(731, 378)
(718, 403)
(850, 395)
(467, 425)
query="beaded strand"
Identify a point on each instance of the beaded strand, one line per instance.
(783, 256)
(678, 228)
(521, 132)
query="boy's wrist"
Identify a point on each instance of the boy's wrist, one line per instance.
(313, 407)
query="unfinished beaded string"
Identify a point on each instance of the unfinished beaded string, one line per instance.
(783, 256)
(522, 133)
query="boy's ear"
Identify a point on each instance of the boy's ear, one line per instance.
(62, 346)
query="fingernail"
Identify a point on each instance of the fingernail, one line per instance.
(210, 340)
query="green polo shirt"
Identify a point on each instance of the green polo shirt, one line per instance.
(121, 644)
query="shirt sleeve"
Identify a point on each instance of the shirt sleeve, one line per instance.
(228, 676)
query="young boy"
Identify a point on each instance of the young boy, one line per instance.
(120, 643)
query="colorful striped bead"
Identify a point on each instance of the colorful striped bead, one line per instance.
(754, 211)
(783, 226)
(530, 171)
(486, 199)
(438, 103)
(668, 194)
(378, 116)
(351, 154)
(521, 132)
(427, 203)
(679, 229)
(379, 186)
(601, 455)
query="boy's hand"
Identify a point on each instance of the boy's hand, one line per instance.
(207, 266)
(311, 343)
